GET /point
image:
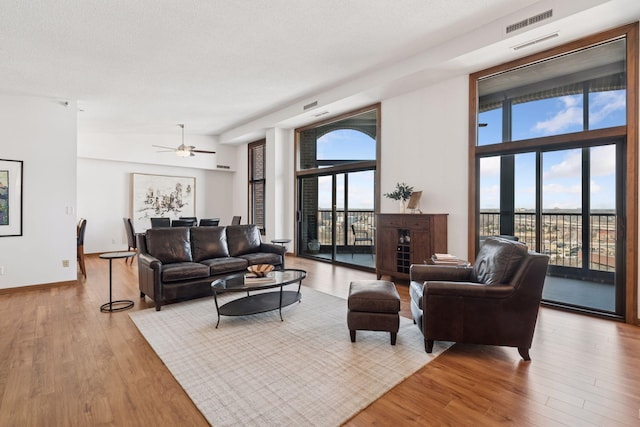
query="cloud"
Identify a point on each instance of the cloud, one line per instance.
(570, 167)
(602, 104)
(603, 160)
(490, 197)
(555, 188)
(569, 115)
(490, 166)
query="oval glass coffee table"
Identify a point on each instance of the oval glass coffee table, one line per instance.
(262, 301)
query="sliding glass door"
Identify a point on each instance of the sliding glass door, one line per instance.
(336, 189)
(566, 204)
(336, 220)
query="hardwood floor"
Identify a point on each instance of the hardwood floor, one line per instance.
(64, 363)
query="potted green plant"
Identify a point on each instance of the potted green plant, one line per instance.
(401, 193)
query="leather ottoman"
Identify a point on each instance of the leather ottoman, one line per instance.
(374, 305)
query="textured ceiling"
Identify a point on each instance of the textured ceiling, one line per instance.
(143, 66)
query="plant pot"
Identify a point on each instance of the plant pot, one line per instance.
(313, 246)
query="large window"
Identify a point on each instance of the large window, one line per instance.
(257, 184)
(554, 164)
(336, 188)
(573, 92)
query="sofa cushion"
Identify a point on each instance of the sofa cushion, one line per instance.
(243, 239)
(208, 242)
(184, 271)
(262, 258)
(498, 260)
(225, 265)
(169, 245)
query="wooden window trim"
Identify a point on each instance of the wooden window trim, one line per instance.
(630, 32)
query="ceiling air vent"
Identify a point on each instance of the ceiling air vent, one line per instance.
(530, 21)
(535, 41)
(223, 167)
(310, 105)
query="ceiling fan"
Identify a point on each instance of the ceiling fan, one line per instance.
(184, 150)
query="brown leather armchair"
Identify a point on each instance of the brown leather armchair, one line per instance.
(495, 302)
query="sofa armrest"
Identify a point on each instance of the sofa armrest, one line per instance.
(274, 249)
(148, 261)
(427, 272)
(149, 278)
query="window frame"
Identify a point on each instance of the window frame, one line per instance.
(254, 182)
(628, 131)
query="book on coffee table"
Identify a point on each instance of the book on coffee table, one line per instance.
(252, 279)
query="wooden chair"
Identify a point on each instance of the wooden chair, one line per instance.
(131, 237)
(183, 223)
(80, 229)
(160, 222)
(209, 222)
(190, 218)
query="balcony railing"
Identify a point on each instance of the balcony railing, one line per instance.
(363, 220)
(562, 236)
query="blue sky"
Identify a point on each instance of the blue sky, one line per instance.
(352, 145)
(561, 169)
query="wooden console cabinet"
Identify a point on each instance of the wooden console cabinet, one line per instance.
(405, 239)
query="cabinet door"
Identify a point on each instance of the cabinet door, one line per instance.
(421, 246)
(386, 253)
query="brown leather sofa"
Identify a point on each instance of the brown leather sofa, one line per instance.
(495, 302)
(181, 262)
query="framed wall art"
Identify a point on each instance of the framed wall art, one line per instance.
(10, 198)
(161, 196)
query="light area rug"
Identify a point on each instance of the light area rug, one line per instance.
(257, 370)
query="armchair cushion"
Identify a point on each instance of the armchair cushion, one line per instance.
(497, 261)
(169, 245)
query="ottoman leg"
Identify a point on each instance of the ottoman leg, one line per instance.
(394, 335)
(352, 332)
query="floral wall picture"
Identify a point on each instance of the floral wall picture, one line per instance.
(10, 198)
(161, 196)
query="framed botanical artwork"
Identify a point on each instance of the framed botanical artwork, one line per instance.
(10, 198)
(163, 196)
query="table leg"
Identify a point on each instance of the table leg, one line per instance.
(108, 307)
(110, 284)
(280, 307)
(215, 300)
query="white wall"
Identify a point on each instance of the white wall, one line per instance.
(42, 133)
(280, 185)
(239, 192)
(104, 198)
(424, 143)
(139, 148)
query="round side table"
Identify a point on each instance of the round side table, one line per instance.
(122, 304)
(282, 242)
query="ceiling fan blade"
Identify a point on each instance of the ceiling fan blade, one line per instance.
(162, 146)
(203, 151)
(191, 153)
